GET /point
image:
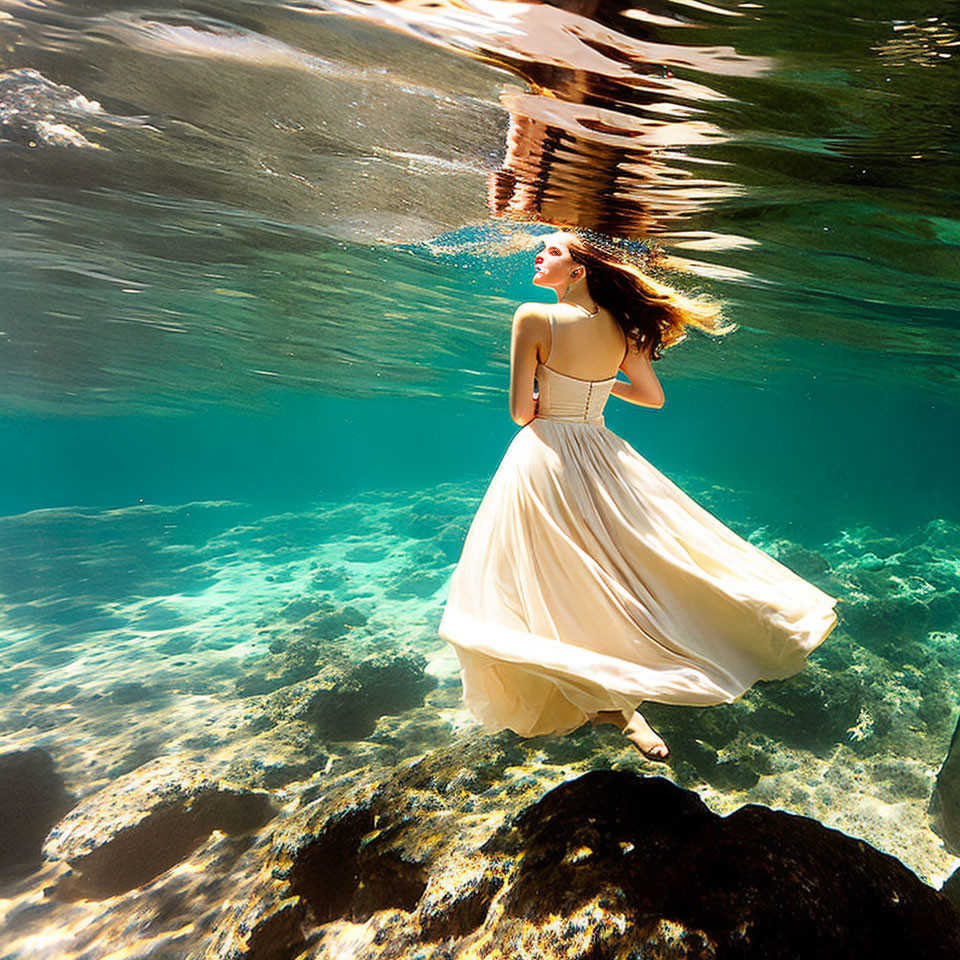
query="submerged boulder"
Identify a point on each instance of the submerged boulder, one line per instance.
(813, 709)
(309, 633)
(944, 806)
(32, 799)
(146, 822)
(345, 704)
(757, 883)
(611, 865)
(385, 684)
(951, 888)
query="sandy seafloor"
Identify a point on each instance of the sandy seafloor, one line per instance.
(150, 630)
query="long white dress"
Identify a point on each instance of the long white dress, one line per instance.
(589, 581)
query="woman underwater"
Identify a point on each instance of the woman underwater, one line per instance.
(588, 581)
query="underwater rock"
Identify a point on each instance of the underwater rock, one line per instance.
(899, 778)
(275, 774)
(322, 620)
(712, 744)
(809, 564)
(944, 806)
(422, 863)
(363, 845)
(417, 584)
(290, 662)
(813, 709)
(348, 708)
(146, 821)
(301, 607)
(641, 849)
(885, 622)
(32, 799)
(305, 643)
(936, 704)
(278, 752)
(951, 888)
(345, 703)
(900, 590)
(132, 692)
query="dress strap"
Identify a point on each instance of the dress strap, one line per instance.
(553, 334)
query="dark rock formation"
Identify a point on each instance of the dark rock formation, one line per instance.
(348, 709)
(32, 799)
(607, 866)
(135, 692)
(951, 888)
(312, 634)
(813, 709)
(145, 822)
(758, 883)
(945, 801)
(345, 704)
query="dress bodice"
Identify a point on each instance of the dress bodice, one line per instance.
(563, 397)
(572, 399)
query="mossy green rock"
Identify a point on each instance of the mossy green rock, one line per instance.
(813, 709)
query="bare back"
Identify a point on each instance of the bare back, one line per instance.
(587, 348)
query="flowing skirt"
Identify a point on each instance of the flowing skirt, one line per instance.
(589, 581)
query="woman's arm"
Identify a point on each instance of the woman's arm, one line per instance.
(644, 388)
(528, 322)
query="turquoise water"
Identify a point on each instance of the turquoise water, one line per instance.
(254, 335)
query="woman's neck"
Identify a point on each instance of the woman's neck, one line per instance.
(581, 299)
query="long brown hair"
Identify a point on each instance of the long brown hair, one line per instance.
(653, 315)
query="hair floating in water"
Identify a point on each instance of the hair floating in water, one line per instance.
(642, 253)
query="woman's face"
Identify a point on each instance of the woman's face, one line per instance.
(553, 265)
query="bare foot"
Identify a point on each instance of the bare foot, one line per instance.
(645, 738)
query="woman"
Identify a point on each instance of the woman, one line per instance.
(588, 581)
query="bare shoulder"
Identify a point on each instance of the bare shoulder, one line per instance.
(530, 311)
